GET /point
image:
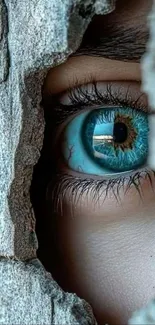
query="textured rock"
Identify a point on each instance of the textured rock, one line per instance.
(148, 72)
(147, 315)
(29, 296)
(148, 61)
(144, 316)
(38, 30)
(34, 36)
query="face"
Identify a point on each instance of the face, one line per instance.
(100, 202)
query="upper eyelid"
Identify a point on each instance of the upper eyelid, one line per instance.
(110, 98)
(59, 112)
(118, 97)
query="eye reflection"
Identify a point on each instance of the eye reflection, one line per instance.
(106, 141)
(99, 139)
(115, 133)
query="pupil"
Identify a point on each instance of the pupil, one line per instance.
(120, 132)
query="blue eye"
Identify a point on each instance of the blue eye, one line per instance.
(106, 141)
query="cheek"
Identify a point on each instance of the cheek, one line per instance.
(83, 220)
(103, 250)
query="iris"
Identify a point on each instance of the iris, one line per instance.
(106, 141)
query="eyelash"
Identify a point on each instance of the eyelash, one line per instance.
(80, 98)
(75, 187)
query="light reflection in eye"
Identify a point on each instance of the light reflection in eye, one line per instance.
(106, 141)
(98, 140)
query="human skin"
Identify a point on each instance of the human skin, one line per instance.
(104, 250)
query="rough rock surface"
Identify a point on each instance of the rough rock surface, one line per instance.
(146, 315)
(148, 71)
(34, 36)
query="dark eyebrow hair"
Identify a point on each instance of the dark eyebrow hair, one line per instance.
(115, 42)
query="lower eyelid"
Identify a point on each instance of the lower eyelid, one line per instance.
(90, 193)
(127, 180)
(66, 170)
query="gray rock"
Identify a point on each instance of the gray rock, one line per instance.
(29, 295)
(148, 74)
(146, 315)
(34, 36)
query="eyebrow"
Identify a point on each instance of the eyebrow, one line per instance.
(115, 42)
